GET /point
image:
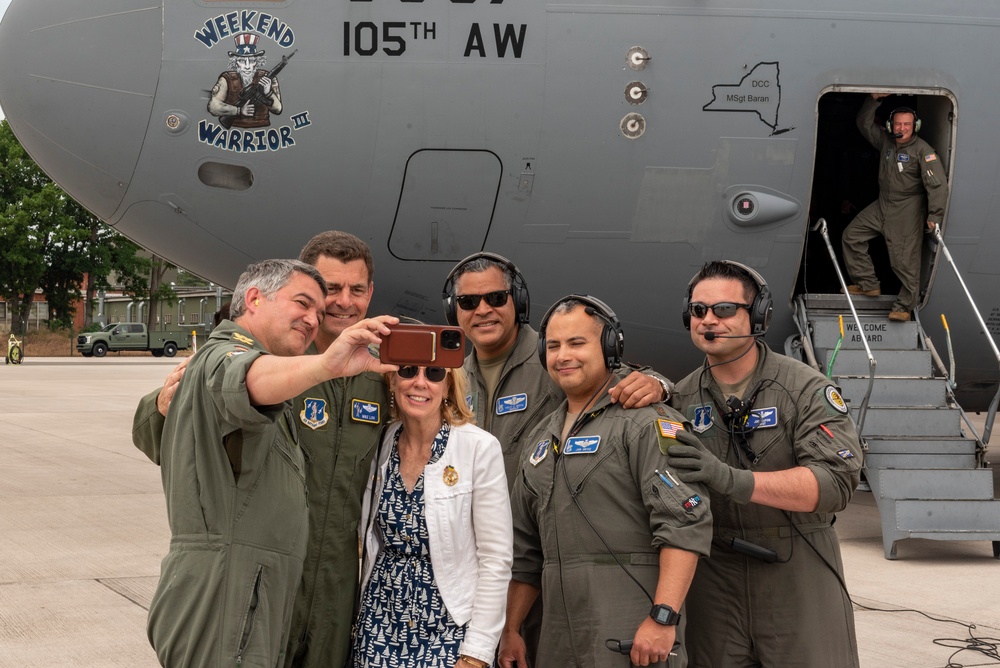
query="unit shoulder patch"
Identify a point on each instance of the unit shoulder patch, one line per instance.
(835, 400)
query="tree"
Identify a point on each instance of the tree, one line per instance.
(51, 242)
(158, 290)
(111, 253)
(187, 279)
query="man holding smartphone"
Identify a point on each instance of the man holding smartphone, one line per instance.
(232, 468)
(339, 423)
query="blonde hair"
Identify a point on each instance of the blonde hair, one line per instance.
(454, 409)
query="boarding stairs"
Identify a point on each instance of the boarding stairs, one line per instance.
(924, 460)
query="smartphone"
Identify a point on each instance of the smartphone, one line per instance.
(423, 345)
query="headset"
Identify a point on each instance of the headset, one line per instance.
(902, 110)
(612, 335)
(518, 288)
(760, 310)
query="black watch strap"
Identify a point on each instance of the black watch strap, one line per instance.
(665, 615)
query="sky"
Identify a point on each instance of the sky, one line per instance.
(3, 9)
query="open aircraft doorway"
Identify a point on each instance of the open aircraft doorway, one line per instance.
(845, 178)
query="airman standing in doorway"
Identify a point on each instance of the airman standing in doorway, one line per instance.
(912, 190)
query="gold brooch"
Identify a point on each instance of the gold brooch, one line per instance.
(450, 476)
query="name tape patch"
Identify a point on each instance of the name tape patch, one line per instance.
(581, 445)
(366, 411)
(514, 403)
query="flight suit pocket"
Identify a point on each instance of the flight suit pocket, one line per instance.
(931, 178)
(250, 610)
(679, 501)
(767, 456)
(291, 458)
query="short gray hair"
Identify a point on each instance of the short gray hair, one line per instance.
(269, 276)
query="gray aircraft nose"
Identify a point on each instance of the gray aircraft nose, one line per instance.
(77, 81)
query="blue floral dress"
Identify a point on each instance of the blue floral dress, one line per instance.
(403, 621)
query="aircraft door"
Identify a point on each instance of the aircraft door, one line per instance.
(845, 179)
(446, 204)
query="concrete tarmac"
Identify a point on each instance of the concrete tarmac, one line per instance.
(83, 529)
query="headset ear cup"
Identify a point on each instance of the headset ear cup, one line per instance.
(520, 296)
(762, 309)
(449, 310)
(613, 347)
(608, 346)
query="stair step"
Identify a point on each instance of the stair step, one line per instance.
(895, 391)
(920, 461)
(837, 303)
(890, 445)
(903, 421)
(888, 362)
(961, 519)
(880, 332)
(936, 485)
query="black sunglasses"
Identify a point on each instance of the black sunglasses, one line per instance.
(494, 299)
(721, 310)
(434, 374)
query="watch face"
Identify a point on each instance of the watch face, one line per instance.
(663, 614)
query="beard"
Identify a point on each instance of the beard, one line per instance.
(247, 78)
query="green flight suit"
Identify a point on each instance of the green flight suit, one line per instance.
(610, 468)
(912, 190)
(339, 424)
(234, 482)
(524, 395)
(748, 612)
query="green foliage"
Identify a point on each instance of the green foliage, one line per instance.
(51, 242)
(187, 279)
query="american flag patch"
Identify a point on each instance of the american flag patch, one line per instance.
(669, 428)
(930, 157)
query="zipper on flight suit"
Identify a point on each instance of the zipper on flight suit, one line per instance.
(251, 616)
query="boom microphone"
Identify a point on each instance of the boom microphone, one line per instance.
(898, 135)
(711, 336)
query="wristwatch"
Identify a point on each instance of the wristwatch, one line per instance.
(664, 614)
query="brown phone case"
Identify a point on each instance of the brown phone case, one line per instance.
(423, 345)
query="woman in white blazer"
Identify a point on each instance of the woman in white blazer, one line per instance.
(436, 532)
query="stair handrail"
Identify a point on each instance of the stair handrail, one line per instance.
(802, 324)
(949, 387)
(991, 413)
(863, 411)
